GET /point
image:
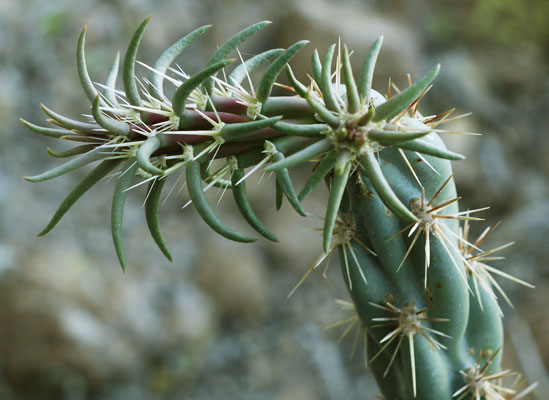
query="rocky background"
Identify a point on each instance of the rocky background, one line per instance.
(217, 323)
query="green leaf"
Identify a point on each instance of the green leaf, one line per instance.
(397, 104)
(243, 203)
(226, 48)
(110, 84)
(144, 153)
(151, 214)
(51, 132)
(128, 70)
(326, 86)
(300, 88)
(285, 144)
(342, 169)
(95, 155)
(388, 138)
(91, 179)
(71, 152)
(156, 85)
(353, 100)
(307, 130)
(70, 123)
(324, 114)
(316, 66)
(367, 71)
(322, 111)
(268, 79)
(321, 170)
(185, 89)
(112, 125)
(304, 155)
(85, 80)
(383, 189)
(243, 70)
(283, 179)
(232, 132)
(196, 193)
(279, 194)
(117, 210)
(424, 147)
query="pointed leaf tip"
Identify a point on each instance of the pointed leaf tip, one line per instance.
(151, 214)
(201, 205)
(326, 86)
(128, 70)
(168, 57)
(268, 79)
(91, 179)
(231, 44)
(82, 69)
(367, 71)
(397, 104)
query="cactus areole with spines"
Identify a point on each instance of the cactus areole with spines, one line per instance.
(420, 287)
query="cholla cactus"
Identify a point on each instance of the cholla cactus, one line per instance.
(421, 290)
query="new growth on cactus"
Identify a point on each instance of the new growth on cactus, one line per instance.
(420, 289)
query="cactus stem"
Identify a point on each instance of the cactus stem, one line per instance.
(477, 267)
(409, 323)
(429, 221)
(478, 384)
(344, 233)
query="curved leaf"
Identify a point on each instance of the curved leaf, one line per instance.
(341, 175)
(326, 86)
(70, 123)
(91, 179)
(196, 193)
(185, 89)
(85, 80)
(151, 214)
(304, 155)
(283, 179)
(234, 131)
(383, 189)
(422, 146)
(397, 104)
(128, 69)
(71, 152)
(353, 99)
(268, 79)
(117, 210)
(156, 85)
(243, 203)
(144, 153)
(308, 130)
(243, 70)
(87, 158)
(112, 125)
(390, 138)
(367, 71)
(321, 170)
(316, 66)
(51, 132)
(226, 48)
(110, 84)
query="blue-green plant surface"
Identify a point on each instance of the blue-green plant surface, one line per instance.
(422, 289)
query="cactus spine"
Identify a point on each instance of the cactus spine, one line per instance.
(421, 290)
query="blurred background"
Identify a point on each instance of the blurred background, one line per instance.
(217, 323)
